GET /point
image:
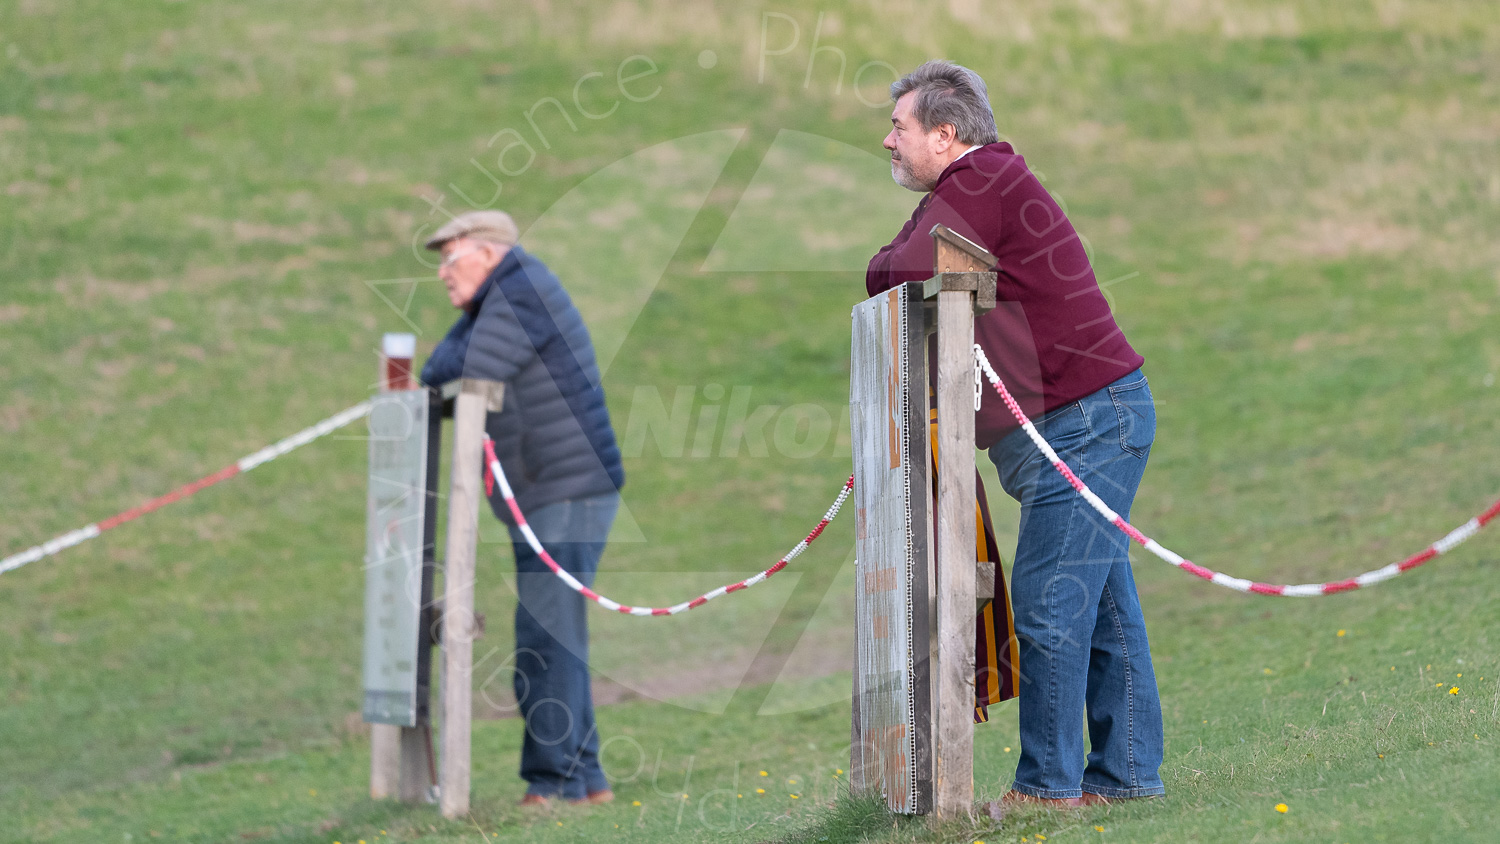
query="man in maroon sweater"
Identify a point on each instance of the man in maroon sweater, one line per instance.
(1053, 340)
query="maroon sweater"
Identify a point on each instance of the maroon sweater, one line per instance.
(1052, 337)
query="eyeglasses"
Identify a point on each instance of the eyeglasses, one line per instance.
(455, 255)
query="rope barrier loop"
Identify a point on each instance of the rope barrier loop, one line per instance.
(1302, 590)
(496, 473)
(244, 464)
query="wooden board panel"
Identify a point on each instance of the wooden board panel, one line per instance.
(891, 753)
(396, 513)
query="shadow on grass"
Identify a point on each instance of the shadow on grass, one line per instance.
(854, 819)
(365, 819)
(866, 819)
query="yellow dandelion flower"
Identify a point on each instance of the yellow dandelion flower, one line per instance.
(636, 803)
(1007, 750)
(1098, 829)
(764, 774)
(312, 792)
(793, 796)
(1265, 671)
(684, 797)
(740, 796)
(559, 823)
(791, 782)
(1380, 756)
(1041, 837)
(1340, 633)
(838, 770)
(1453, 691)
(1282, 808)
(1460, 675)
(760, 791)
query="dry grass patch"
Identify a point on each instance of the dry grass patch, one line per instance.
(1340, 238)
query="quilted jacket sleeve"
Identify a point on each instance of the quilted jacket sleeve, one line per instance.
(499, 346)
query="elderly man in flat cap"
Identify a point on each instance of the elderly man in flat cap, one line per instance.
(554, 440)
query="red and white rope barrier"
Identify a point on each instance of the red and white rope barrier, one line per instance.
(498, 474)
(1303, 590)
(244, 464)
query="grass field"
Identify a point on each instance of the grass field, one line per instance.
(209, 212)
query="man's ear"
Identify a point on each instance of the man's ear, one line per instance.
(947, 133)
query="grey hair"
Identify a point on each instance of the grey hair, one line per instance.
(950, 93)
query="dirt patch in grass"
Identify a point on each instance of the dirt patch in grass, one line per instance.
(738, 670)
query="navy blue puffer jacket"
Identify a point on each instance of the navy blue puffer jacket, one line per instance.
(553, 435)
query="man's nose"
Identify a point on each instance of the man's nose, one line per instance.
(890, 141)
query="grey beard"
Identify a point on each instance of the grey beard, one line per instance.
(907, 179)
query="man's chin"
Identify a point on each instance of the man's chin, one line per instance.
(907, 180)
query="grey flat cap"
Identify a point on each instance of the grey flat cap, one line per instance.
(494, 226)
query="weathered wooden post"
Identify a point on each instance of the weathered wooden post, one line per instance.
(914, 694)
(405, 429)
(475, 400)
(963, 286)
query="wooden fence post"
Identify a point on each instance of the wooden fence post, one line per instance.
(385, 760)
(912, 733)
(475, 400)
(962, 283)
(399, 755)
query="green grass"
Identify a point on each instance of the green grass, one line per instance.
(1292, 205)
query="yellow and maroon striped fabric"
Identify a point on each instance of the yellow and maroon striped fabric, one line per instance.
(997, 673)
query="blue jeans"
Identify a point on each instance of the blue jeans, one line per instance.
(560, 751)
(1083, 647)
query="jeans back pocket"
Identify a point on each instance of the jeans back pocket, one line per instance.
(1136, 413)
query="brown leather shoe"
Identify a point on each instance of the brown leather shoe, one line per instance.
(596, 797)
(1089, 798)
(1017, 798)
(537, 800)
